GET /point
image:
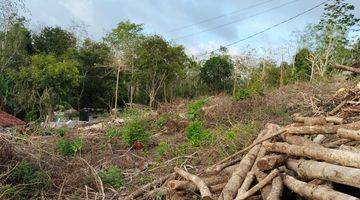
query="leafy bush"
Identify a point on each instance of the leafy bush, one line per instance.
(162, 149)
(196, 133)
(112, 176)
(62, 131)
(243, 93)
(135, 130)
(194, 108)
(69, 147)
(26, 180)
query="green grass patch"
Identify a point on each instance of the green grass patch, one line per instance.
(69, 147)
(196, 133)
(195, 107)
(113, 177)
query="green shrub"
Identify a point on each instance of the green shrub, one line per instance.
(61, 132)
(243, 93)
(162, 149)
(194, 108)
(26, 180)
(135, 130)
(163, 119)
(69, 147)
(113, 132)
(196, 133)
(112, 176)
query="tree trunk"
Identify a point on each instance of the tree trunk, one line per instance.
(321, 170)
(203, 188)
(116, 91)
(312, 191)
(349, 134)
(298, 140)
(310, 121)
(237, 178)
(347, 68)
(270, 162)
(310, 130)
(258, 186)
(344, 158)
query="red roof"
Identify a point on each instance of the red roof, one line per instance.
(7, 120)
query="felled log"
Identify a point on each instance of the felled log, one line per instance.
(237, 178)
(270, 162)
(298, 140)
(349, 148)
(191, 187)
(321, 170)
(276, 189)
(310, 130)
(319, 139)
(335, 120)
(344, 158)
(312, 191)
(336, 143)
(258, 186)
(348, 134)
(346, 68)
(310, 120)
(203, 188)
(148, 186)
(265, 191)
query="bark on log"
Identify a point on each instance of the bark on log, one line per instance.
(276, 189)
(258, 186)
(310, 130)
(319, 139)
(349, 148)
(310, 121)
(265, 191)
(237, 178)
(298, 140)
(348, 134)
(203, 188)
(335, 120)
(190, 186)
(313, 169)
(336, 143)
(270, 162)
(312, 191)
(344, 158)
(346, 68)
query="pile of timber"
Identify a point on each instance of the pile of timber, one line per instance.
(345, 103)
(306, 158)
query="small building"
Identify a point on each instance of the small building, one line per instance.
(7, 120)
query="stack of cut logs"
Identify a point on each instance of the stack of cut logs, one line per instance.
(307, 157)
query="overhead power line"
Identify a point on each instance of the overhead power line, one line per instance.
(236, 21)
(218, 17)
(267, 29)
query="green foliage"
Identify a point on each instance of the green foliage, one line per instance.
(162, 149)
(54, 40)
(162, 120)
(196, 133)
(302, 70)
(195, 108)
(26, 181)
(113, 132)
(69, 147)
(135, 131)
(61, 132)
(113, 177)
(243, 93)
(216, 73)
(231, 135)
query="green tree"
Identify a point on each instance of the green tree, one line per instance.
(54, 40)
(216, 72)
(158, 62)
(302, 65)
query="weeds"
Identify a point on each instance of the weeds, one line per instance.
(196, 133)
(162, 149)
(135, 131)
(113, 177)
(194, 109)
(163, 119)
(113, 132)
(61, 132)
(69, 147)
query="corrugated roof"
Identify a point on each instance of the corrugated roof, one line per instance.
(7, 120)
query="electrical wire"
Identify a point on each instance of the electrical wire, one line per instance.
(267, 29)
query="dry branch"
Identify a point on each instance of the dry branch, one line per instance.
(312, 191)
(345, 158)
(349, 134)
(258, 186)
(203, 188)
(313, 169)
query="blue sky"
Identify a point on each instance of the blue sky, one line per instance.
(160, 16)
